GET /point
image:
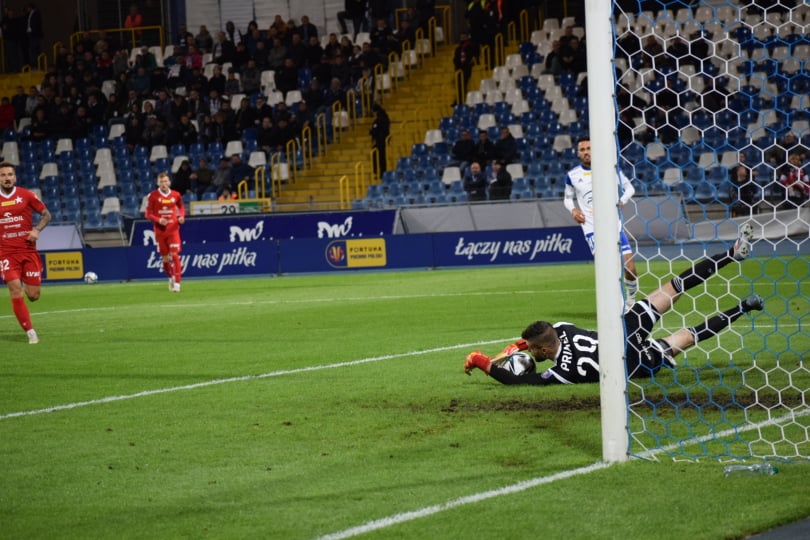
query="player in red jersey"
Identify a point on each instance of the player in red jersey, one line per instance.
(20, 264)
(165, 209)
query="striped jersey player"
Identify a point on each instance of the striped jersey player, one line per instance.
(579, 185)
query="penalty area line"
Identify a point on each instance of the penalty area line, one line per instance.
(427, 511)
(469, 499)
(243, 378)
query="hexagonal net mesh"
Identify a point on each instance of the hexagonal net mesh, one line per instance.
(712, 103)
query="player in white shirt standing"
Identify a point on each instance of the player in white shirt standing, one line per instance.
(579, 185)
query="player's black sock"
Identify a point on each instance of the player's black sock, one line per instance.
(702, 271)
(716, 324)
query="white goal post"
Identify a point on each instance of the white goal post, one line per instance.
(608, 260)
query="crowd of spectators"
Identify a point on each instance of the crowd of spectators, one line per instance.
(171, 100)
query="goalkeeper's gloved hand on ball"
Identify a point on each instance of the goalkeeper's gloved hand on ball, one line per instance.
(519, 345)
(478, 360)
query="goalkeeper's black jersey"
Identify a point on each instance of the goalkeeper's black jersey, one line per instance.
(577, 360)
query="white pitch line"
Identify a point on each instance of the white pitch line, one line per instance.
(242, 378)
(321, 300)
(276, 302)
(402, 517)
(787, 417)
(469, 499)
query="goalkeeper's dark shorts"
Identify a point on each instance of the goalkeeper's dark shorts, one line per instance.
(643, 356)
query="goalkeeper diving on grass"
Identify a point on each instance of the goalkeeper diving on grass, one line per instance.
(575, 351)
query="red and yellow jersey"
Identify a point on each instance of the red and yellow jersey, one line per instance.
(17, 219)
(168, 206)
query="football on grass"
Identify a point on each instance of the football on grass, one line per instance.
(90, 277)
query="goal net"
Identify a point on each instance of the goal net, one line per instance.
(712, 106)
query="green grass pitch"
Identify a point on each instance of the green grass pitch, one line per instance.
(336, 405)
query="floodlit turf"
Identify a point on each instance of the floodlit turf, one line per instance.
(300, 407)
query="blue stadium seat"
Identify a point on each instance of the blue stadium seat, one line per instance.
(419, 149)
(414, 187)
(360, 204)
(93, 220)
(435, 198)
(705, 192)
(130, 205)
(404, 163)
(518, 194)
(69, 215)
(111, 220)
(555, 168)
(520, 184)
(394, 190)
(215, 151)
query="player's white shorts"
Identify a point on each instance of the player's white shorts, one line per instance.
(625, 243)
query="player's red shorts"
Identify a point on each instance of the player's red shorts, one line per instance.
(168, 242)
(25, 266)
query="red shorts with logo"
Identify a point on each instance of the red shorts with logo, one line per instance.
(25, 266)
(168, 242)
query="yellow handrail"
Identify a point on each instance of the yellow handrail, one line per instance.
(242, 189)
(447, 22)
(393, 69)
(499, 48)
(406, 49)
(360, 183)
(374, 160)
(379, 93)
(525, 35)
(134, 34)
(366, 97)
(511, 33)
(291, 151)
(461, 89)
(258, 182)
(418, 36)
(432, 33)
(351, 108)
(306, 146)
(345, 196)
(275, 176)
(337, 108)
(321, 133)
(484, 55)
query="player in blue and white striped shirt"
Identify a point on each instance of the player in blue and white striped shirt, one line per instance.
(579, 185)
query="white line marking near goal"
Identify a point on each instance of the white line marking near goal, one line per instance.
(275, 301)
(526, 484)
(469, 499)
(145, 393)
(787, 417)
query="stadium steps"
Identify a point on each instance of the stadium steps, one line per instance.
(416, 104)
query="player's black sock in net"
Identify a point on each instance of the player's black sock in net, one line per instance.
(702, 271)
(716, 324)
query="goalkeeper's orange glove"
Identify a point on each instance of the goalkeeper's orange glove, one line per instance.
(478, 360)
(519, 345)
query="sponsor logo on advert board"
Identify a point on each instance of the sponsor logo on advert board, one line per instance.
(357, 253)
